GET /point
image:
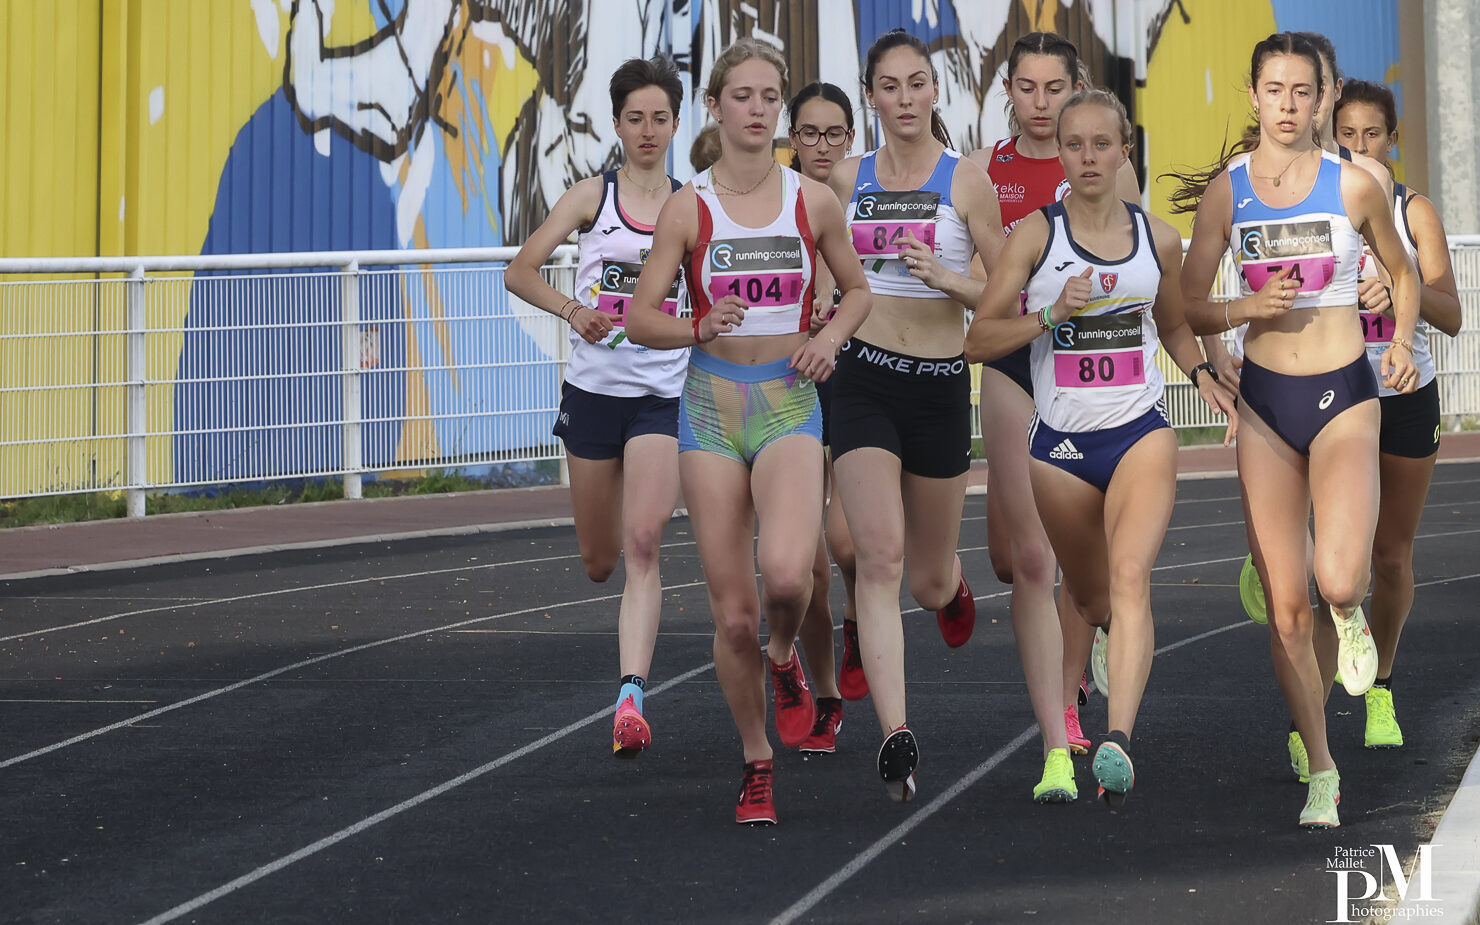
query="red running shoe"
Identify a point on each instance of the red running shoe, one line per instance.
(756, 805)
(824, 737)
(630, 732)
(794, 709)
(851, 680)
(958, 618)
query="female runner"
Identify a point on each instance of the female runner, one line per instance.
(901, 433)
(821, 120)
(1367, 123)
(1043, 70)
(1105, 277)
(1297, 216)
(619, 404)
(748, 231)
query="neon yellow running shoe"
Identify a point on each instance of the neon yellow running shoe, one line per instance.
(1251, 592)
(1320, 804)
(1299, 760)
(1057, 785)
(1382, 722)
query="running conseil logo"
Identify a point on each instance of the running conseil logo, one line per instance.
(1359, 889)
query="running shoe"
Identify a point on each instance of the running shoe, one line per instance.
(958, 618)
(1057, 785)
(630, 732)
(1078, 744)
(1114, 773)
(1299, 760)
(898, 757)
(794, 709)
(1382, 722)
(1084, 687)
(1356, 659)
(1251, 592)
(852, 682)
(825, 729)
(1099, 661)
(755, 805)
(1320, 804)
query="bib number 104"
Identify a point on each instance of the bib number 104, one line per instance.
(754, 290)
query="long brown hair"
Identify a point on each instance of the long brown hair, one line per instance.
(896, 38)
(1193, 184)
(1052, 45)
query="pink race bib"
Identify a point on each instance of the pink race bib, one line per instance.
(767, 274)
(883, 221)
(1099, 351)
(618, 284)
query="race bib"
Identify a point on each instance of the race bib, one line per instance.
(618, 284)
(881, 222)
(766, 273)
(1266, 249)
(1099, 351)
(1377, 329)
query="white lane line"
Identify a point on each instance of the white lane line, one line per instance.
(369, 821)
(208, 695)
(820, 892)
(34, 700)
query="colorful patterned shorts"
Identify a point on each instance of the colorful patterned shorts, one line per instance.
(737, 411)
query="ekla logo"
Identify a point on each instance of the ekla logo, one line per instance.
(1350, 864)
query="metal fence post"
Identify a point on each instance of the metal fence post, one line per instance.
(136, 465)
(349, 339)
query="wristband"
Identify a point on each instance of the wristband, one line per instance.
(1208, 367)
(1045, 318)
(564, 315)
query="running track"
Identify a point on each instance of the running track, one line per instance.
(418, 731)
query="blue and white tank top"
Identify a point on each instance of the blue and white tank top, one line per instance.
(1314, 235)
(1098, 369)
(1377, 329)
(879, 220)
(612, 250)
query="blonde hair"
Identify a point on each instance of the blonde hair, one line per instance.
(1099, 98)
(706, 148)
(741, 51)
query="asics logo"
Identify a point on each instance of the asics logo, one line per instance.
(1065, 450)
(1327, 399)
(1060, 267)
(1245, 202)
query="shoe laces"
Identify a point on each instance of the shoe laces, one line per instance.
(757, 785)
(1057, 764)
(1380, 707)
(827, 714)
(1323, 789)
(852, 656)
(1071, 724)
(1352, 630)
(789, 684)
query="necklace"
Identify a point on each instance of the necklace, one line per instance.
(649, 189)
(735, 192)
(1276, 178)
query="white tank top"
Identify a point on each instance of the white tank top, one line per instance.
(612, 251)
(1096, 370)
(1314, 235)
(771, 269)
(879, 219)
(1378, 329)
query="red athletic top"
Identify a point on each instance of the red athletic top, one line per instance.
(1024, 184)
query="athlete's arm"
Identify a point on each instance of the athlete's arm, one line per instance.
(998, 329)
(1368, 210)
(1169, 310)
(815, 358)
(576, 209)
(842, 178)
(1210, 229)
(676, 234)
(976, 203)
(1439, 297)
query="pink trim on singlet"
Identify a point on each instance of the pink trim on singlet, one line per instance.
(636, 225)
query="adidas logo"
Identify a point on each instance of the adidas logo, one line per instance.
(1065, 450)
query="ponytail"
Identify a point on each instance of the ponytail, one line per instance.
(896, 38)
(938, 128)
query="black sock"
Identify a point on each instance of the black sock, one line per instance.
(1119, 738)
(1384, 683)
(634, 679)
(1292, 726)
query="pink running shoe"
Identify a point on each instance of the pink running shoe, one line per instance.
(630, 732)
(1078, 744)
(958, 618)
(795, 711)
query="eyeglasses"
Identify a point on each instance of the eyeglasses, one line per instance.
(809, 135)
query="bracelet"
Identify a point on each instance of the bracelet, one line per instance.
(1227, 320)
(564, 315)
(1045, 318)
(1400, 342)
(1201, 367)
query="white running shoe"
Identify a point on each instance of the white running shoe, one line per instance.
(1099, 664)
(1356, 660)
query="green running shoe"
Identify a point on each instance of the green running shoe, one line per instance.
(1320, 805)
(1251, 592)
(1299, 760)
(1057, 785)
(1356, 659)
(1382, 722)
(1114, 772)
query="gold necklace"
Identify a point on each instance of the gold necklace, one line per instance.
(1276, 178)
(734, 192)
(647, 190)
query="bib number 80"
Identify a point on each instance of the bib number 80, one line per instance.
(1091, 369)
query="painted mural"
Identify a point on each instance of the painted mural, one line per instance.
(398, 124)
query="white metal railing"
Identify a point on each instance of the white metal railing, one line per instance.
(161, 373)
